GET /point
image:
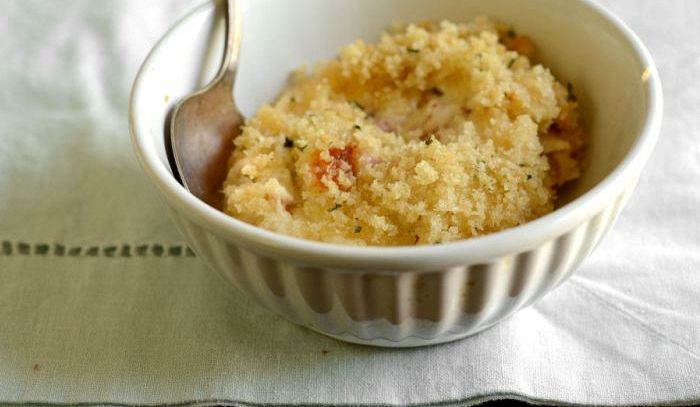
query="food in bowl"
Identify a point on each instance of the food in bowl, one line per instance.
(438, 132)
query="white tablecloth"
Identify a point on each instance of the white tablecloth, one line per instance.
(101, 302)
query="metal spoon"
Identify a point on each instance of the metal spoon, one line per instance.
(203, 124)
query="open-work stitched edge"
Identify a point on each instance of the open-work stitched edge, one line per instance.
(21, 248)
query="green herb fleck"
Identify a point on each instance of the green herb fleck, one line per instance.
(357, 104)
(510, 64)
(412, 50)
(301, 148)
(437, 91)
(288, 143)
(357, 127)
(529, 177)
(293, 99)
(429, 141)
(570, 90)
(358, 229)
(336, 207)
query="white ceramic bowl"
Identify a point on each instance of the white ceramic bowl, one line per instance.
(405, 296)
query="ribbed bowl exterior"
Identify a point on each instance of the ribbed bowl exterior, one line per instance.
(402, 308)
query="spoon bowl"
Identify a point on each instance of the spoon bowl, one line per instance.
(203, 125)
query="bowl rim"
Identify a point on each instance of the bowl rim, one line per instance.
(473, 250)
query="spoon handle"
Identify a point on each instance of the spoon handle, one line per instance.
(227, 73)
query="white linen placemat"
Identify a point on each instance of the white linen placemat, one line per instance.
(101, 302)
